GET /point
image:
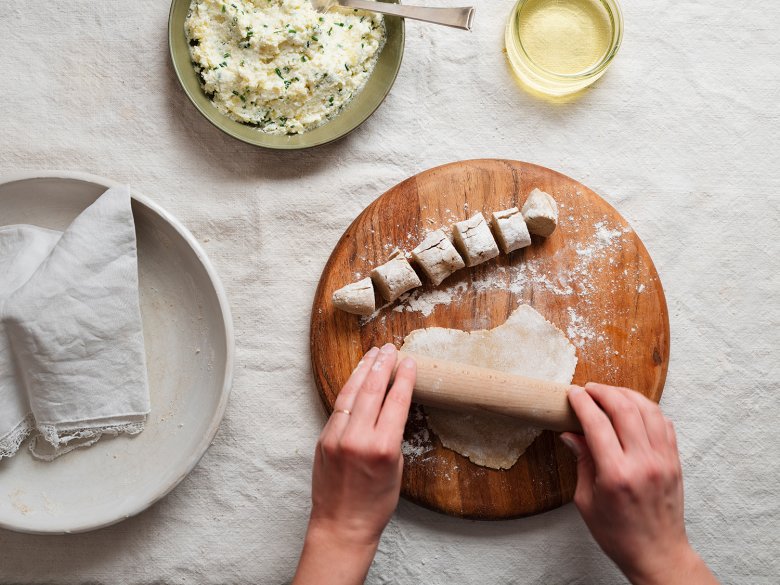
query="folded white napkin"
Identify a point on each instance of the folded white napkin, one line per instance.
(72, 361)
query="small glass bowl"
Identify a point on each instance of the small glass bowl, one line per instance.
(537, 78)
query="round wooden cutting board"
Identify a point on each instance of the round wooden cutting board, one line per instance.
(592, 278)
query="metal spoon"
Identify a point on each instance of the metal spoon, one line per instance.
(454, 17)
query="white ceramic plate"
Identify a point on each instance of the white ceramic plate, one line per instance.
(189, 347)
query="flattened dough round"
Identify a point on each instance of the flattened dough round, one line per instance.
(526, 344)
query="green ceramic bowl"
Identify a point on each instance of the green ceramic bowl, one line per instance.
(352, 116)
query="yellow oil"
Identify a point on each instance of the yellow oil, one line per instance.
(555, 39)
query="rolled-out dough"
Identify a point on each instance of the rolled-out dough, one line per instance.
(526, 344)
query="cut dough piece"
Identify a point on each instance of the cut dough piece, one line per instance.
(474, 240)
(394, 278)
(356, 298)
(541, 213)
(437, 257)
(510, 229)
(526, 344)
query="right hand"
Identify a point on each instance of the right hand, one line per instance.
(629, 486)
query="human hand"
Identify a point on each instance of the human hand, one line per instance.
(358, 464)
(629, 485)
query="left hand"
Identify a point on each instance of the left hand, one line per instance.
(358, 464)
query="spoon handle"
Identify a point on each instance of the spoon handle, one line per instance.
(454, 17)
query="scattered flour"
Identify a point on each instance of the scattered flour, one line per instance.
(578, 331)
(604, 238)
(420, 442)
(426, 301)
(579, 280)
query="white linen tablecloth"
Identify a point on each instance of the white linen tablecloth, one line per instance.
(680, 135)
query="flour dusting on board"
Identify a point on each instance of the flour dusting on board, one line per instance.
(604, 238)
(424, 301)
(579, 281)
(420, 442)
(578, 331)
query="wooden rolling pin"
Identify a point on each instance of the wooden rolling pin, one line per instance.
(473, 389)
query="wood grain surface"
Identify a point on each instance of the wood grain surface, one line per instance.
(593, 279)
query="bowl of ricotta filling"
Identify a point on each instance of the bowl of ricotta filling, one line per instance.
(278, 74)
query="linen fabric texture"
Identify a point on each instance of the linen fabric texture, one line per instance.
(72, 359)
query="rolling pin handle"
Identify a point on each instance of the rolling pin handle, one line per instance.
(469, 388)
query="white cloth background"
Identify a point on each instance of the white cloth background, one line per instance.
(680, 135)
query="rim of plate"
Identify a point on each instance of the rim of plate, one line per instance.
(208, 115)
(227, 381)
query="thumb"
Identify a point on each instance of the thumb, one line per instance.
(586, 471)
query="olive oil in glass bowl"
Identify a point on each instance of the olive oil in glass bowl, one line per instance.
(558, 47)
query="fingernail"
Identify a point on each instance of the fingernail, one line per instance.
(388, 348)
(408, 363)
(573, 447)
(372, 352)
(574, 390)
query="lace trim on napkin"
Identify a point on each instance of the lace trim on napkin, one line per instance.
(56, 443)
(60, 442)
(10, 444)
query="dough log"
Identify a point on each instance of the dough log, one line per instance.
(394, 278)
(510, 230)
(437, 257)
(541, 213)
(474, 240)
(356, 298)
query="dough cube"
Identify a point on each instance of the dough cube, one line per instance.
(474, 241)
(394, 278)
(541, 213)
(437, 257)
(356, 298)
(510, 230)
